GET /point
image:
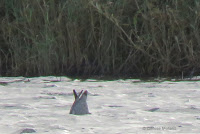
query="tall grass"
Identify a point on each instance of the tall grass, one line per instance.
(99, 37)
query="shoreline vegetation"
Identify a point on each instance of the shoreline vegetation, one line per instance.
(100, 37)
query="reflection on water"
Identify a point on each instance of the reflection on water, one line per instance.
(42, 104)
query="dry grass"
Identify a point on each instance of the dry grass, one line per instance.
(93, 37)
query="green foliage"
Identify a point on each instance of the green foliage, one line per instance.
(93, 37)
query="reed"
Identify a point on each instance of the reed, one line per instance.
(99, 37)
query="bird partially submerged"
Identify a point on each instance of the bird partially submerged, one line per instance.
(80, 106)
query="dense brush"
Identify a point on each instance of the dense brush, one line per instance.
(90, 37)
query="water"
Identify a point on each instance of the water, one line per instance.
(42, 105)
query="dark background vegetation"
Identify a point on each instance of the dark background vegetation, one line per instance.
(99, 37)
